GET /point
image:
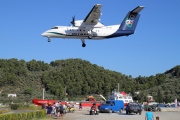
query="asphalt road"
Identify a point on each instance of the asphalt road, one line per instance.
(84, 115)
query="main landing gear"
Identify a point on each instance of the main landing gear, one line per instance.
(83, 43)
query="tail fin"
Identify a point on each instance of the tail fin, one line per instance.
(130, 21)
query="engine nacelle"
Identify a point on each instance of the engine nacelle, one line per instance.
(78, 23)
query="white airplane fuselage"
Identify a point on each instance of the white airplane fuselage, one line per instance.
(90, 28)
(81, 32)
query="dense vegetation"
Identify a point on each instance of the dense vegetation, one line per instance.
(78, 77)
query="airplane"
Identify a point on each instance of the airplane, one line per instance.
(91, 28)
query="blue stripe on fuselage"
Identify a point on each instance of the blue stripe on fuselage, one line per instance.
(119, 33)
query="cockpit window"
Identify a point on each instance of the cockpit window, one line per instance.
(54, 28)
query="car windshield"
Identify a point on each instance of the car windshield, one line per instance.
(133, 104)
(108, 102)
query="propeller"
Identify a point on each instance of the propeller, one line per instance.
(73, 21)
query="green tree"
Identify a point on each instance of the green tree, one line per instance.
(159, 97)
(28, 91)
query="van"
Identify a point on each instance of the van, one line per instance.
(112, 106)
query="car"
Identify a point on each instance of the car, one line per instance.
(112, 106)
(133, 107)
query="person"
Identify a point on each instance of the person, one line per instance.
(157, 118)
(94, 106)
(58, 111)
(149, 115)
(147, 106)
(54, 109)
(43, 106)
(61, 110)
(49, 110)
(80, 106)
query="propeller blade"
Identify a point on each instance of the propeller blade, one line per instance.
(73, 21)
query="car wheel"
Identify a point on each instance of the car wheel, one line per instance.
(120, 110)
(110, 111)
(126, 112)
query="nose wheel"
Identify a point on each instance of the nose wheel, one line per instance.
(83, 43)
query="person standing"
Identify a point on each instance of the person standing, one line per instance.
(61, 110)
(80, 106)
(149, 115)
(49, 110)
(157, 118)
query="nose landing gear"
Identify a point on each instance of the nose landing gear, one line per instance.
(49, 40)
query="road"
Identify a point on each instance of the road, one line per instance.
(84, 115)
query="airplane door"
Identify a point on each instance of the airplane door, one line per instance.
(67, 31)
(95, 32)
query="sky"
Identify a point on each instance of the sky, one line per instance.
(153, 49)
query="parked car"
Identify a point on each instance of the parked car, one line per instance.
(112, 106)
(133, 107)
(151, 107)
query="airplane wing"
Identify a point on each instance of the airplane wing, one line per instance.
(93, 17)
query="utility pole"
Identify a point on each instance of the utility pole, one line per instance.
(65, 93)
(43, 93)
(118, 87)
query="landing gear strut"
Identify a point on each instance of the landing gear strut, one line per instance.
(83, 43)
(49, 40)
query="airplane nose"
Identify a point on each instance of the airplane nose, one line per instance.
(43, 34)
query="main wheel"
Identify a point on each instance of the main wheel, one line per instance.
(83, 45)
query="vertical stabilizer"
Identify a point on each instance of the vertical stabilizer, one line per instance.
(130, 21)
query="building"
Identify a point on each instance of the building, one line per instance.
(12, 95)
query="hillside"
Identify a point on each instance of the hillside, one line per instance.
(79, 78)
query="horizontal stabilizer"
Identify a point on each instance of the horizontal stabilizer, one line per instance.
(137, 9)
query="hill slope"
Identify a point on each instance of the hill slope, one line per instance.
(78, 78)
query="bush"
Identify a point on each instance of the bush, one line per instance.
(21, 106)
(14, 106)
(3, 111)
(23, 116)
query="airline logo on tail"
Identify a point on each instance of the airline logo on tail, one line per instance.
(130, 20)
